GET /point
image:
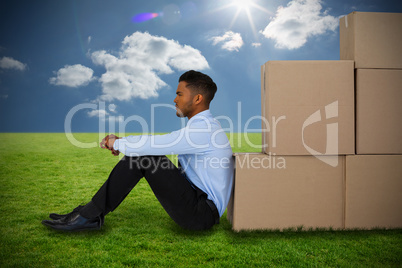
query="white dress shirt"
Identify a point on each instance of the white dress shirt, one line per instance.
(203, 151)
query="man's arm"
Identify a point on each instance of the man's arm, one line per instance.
(183, 141)
(196, 137)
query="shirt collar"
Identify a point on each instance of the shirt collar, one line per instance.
(203, 114)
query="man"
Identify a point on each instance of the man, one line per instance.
(195, 194)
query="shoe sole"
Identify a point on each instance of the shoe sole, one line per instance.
(59, 228)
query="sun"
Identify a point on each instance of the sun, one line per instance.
(242, 4)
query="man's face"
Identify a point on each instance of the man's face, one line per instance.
(184, 100)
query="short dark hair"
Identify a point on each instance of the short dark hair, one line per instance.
(200, 83)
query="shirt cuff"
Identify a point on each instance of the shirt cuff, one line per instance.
(116, 145)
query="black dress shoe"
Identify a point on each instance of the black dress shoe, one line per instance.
(75, 222)
(56, 216)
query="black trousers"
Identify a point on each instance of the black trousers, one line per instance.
(186, 204)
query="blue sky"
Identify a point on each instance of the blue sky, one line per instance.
(55, 55)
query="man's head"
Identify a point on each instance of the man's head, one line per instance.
(200, 83)
(194, 93)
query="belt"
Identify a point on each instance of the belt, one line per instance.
(214, 210)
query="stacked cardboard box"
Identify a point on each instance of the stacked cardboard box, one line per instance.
(379, 111)
(373, 191)
(308, 174)
(306, 104)
(280, 192)
(372, 40)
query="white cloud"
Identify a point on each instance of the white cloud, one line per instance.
(296, 22)
(256, 44)
(134, 72)
(89, 39)
(10, 63)
(230, 41)
(101, 113)
(73, 76)
(112, 107)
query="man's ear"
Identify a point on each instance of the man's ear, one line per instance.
(198, 99)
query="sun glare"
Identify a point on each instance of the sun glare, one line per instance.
(242, 4)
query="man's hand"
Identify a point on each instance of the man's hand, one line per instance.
(108, 142)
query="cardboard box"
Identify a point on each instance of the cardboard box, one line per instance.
(286, 192)
(308, 107)
(378, 111)
(373, 191)
(372, 40)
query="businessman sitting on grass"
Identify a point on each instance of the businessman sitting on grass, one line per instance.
(194, 194)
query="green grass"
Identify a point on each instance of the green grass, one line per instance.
(43, 173)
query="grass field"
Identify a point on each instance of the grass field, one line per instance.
(43, 173)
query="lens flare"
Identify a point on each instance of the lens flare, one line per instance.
(144, 17)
